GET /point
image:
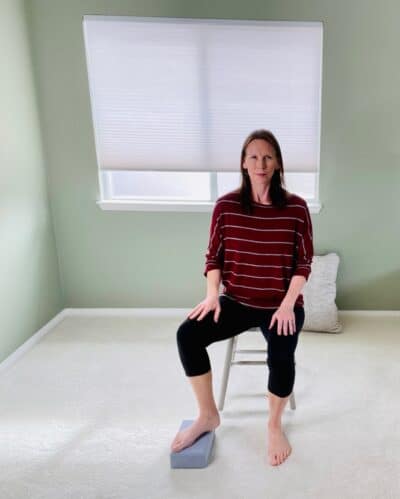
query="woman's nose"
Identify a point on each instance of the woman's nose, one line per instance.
(262, 163)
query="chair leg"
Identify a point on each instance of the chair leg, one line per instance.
(292, 401)
(225, 374)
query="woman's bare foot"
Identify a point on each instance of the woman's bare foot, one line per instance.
(186, 437)
(278, 446)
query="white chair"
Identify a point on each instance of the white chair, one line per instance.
(231, 351)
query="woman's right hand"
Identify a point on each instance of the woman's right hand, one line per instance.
(211, 302)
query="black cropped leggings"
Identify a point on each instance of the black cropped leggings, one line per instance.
(194, 336)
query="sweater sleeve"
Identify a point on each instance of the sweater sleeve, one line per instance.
(215, 250)
(304, 246)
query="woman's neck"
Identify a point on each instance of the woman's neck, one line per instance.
(261, 197)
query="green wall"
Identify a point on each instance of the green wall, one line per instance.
(139, 259)
(30, 292)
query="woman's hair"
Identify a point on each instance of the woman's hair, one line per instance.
(277, 190)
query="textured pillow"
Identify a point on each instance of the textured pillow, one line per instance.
(319, 293)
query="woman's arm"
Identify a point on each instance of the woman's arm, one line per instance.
(284, 316)
(296, 285)
(211, 301)
(213, 282)
(215, 250)
(304, 246)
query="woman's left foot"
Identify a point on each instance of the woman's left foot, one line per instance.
(278, 446)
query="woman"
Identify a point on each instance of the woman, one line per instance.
(261, 248)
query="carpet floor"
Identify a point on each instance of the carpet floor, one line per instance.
(90, 412)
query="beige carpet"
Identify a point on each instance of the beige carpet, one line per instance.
(91, 410)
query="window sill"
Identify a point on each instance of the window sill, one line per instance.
(184, 206)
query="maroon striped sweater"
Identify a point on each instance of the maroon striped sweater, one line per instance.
(258, 254)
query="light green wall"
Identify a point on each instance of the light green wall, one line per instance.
(138, 259)
(30, 292)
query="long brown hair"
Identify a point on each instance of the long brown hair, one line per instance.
(277, 190)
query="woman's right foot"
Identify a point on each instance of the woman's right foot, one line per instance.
(186, 437)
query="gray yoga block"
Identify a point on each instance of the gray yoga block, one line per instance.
(196, 455)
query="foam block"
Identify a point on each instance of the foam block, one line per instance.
(196, 455)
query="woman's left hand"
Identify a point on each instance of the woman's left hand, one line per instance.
(286, 320)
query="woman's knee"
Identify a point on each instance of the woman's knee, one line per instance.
(184, 333)
(191, 332)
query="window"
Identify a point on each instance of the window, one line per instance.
(173, 100)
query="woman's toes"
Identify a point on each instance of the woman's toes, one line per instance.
(175, 444)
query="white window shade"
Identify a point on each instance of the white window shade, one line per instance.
(183, 94)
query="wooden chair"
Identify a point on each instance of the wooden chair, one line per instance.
(231, 351)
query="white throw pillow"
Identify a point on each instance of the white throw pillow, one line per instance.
(319, 293)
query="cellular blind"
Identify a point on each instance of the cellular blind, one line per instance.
(172, 94)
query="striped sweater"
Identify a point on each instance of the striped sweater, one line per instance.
(259, 253)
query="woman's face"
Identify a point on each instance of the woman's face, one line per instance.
(260, 161)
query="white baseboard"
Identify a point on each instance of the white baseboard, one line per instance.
(178, 312)
(28, 344)
(371, 313)
(127, 312)
(136, 312)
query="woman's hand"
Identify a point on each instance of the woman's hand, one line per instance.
(286, 320)
(211, 302)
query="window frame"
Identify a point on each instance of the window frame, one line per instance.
(106, 203)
